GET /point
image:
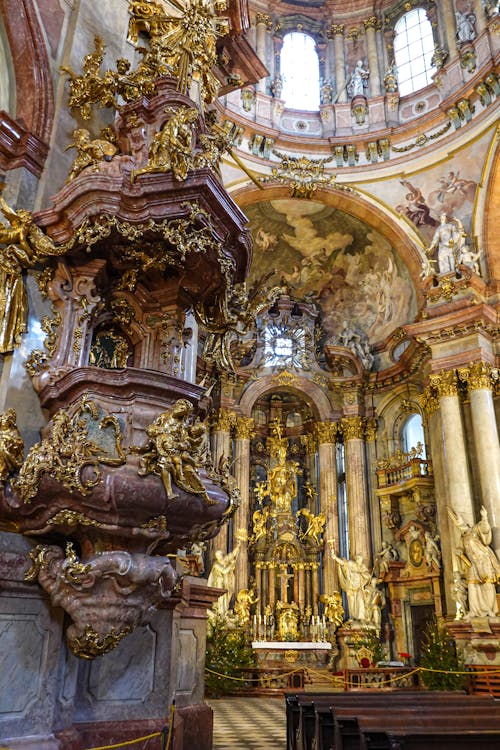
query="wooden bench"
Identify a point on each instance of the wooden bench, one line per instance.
(443, 732)
(382, 731)
(483, 680)
(310, 716)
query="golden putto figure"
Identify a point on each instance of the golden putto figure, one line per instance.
(11, 445)
(173, 451)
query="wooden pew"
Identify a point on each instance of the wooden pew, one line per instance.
(379, 731)
(442, 732)
(384, 705)
(306, 714)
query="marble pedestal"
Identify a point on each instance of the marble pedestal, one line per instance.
(477, 639)
(50, 700)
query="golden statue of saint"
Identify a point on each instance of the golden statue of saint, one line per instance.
(14, 258)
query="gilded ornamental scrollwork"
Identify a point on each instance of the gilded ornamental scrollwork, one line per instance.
(429, 401)
(371, 430)
(302, 175)
(224, 420)
(183, 47)
(80, 438)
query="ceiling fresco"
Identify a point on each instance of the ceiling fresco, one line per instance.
(451, 188)
(347, 266)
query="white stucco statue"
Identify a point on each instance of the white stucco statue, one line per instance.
(480, 563)
(221, 576)
(358, 80)
(447, 239)
(466, 25)
(354, 577)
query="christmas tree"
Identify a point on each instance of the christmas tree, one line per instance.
(439, 655)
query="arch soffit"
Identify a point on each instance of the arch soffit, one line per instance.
(34, 93)
(491, 235)
(357, 206)
(303, 387)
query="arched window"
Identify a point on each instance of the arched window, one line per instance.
(413, 51)
(300, 72)
(412, 433)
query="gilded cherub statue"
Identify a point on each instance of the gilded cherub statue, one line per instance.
(172, 451)
(333, 608)
(25, 244)
(11, 445)
(315, 524)
(244, 600)
(89, 151)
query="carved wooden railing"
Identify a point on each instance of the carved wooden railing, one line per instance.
(415, 467)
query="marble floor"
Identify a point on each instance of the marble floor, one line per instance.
(249, 723)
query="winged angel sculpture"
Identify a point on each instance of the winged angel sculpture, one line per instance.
(24, 245)
(231, 316)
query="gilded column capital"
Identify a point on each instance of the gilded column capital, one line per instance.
(445, 383)
(224, 420)
(372, 23)
(479, 375)
(263, 18)
(245, 427)
(353, 428)
(371, 430)
(326, 432)
(429, 401)
(335, 29)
